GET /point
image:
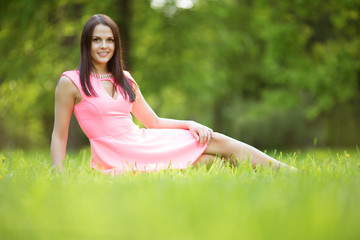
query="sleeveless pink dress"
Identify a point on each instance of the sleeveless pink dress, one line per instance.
(118, 145)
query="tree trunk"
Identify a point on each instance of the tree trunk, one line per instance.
(124, 22)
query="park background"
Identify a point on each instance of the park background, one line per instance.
(275, 74)
(281, 75)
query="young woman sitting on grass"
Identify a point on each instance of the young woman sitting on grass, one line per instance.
(103, 97)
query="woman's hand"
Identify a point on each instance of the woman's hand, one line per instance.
(201, 133)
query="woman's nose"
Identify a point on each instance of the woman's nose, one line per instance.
(103, 44)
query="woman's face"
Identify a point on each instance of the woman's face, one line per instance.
(102, 45)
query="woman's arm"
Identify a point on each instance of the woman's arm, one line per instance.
(64, 103)
(145, 114)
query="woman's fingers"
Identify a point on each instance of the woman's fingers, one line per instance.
(210, 136)
(205, 136)
(195, 134)
(201, 133)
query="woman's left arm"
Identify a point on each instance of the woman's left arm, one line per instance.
(146, 115)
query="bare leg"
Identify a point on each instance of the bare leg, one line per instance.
(206, 159)
(227, 147)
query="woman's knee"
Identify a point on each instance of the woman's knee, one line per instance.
(218, 144)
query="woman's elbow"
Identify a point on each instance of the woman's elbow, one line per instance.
(154, 123)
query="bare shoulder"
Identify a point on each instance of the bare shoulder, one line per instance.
(133, 83)
(129, 77)
(127, 73)
(65, 84)
(65, 81)
(66, 89)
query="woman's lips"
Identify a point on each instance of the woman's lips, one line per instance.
(103, 54)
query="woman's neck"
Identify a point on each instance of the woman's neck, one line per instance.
(100, 69)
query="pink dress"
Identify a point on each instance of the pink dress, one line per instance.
(118, 145)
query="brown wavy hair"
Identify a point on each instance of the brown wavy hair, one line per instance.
(115, 64)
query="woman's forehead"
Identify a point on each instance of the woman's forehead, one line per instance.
(103, 30)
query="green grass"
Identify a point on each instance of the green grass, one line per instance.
(321, 201)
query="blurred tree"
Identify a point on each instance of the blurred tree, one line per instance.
(271, 72)
(40, 40)
(274, 74)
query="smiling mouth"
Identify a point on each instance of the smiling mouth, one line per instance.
(103, 54)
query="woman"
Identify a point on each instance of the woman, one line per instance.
(103, 96)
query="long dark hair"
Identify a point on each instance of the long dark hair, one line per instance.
(115, 64)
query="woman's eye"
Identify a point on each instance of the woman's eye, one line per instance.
(96, 40)
(110, 40)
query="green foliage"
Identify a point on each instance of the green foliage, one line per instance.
(320, 201)
(274, 74)
(40, 40)
(281, 67)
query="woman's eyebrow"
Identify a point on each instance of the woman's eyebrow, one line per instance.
(101, 37)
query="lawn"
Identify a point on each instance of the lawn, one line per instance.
(320, 201)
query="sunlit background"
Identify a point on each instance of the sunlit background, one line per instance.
(283, 74)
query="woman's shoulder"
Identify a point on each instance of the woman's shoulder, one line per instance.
(72, 74)
(66, 85)
(127, 74)
(69, 79)
(129, 77)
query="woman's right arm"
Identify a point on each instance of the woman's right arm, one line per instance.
(65, 94)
